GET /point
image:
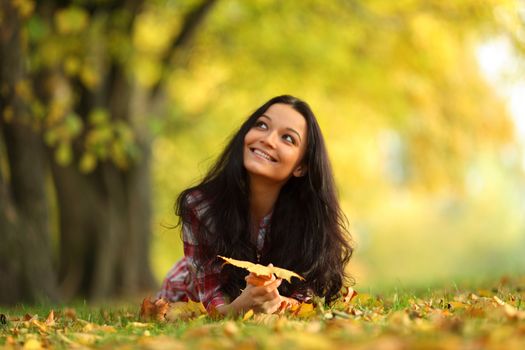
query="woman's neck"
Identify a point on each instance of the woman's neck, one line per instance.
(263, 195)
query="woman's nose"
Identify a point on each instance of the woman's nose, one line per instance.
(269, 139)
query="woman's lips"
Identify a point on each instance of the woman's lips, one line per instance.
(261, 154)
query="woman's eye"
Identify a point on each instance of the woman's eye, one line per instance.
(289, 138)
(261, 125)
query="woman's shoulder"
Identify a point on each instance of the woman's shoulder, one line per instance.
(196, 202)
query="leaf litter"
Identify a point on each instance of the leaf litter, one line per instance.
(491, 318)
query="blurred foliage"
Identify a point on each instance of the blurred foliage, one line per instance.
(422, 147)
(423, 150)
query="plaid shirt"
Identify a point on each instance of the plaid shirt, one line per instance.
(185, 281)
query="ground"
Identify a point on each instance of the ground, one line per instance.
(453, 317)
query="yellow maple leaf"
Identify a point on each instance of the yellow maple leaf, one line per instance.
(181, 310)
(305, 310)
(261, 269)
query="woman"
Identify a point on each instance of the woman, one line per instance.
(269, 198)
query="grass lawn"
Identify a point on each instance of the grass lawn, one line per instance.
(452, 317)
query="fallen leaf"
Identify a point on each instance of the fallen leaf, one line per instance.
(349, 295)
(498, 300)
(154, 310)
(147, 309)
(249, 314)
(230, 329)
(457, 305)
(70, 313)
(161, 307)
(32, 344)
(50, 320)
(305, 310)
(262, 270)
(42, 327)
(185, 311)
(86, 338)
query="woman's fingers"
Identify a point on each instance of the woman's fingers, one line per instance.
(259, 280)
(255, 280)
(269, 287)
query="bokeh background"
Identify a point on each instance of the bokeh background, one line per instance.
(425, 149)
(421, 104)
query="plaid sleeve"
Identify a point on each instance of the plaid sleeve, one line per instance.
(204, 275)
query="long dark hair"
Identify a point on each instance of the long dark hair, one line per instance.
(307, 233)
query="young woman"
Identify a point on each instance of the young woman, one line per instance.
(269, 198)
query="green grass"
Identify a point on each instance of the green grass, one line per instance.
(488, 315)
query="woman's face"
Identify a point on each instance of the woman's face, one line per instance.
(275, 145)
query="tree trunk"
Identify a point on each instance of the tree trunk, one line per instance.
(26, 269)
(105, 224)
(10, 258)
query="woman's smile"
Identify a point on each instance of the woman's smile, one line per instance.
(262, 154)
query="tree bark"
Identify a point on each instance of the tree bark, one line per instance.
(105, 224)
(26, 268)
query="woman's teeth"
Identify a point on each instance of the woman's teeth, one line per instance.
(263, 155)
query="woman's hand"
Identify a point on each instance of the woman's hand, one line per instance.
(260, 295)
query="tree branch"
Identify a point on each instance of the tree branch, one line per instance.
(192, 21)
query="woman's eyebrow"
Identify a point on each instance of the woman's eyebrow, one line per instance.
(295, 132)
(288, 128)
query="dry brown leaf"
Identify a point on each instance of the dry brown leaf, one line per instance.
(349, 295)
(70, 313)
(147, 309)
(161, 307)
(50, 320)
(262, 270)
(42, 327)
(154, 310)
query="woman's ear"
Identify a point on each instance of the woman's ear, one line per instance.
(299, 171)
